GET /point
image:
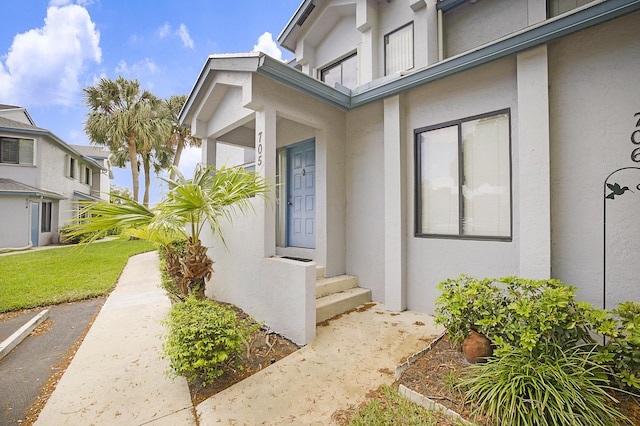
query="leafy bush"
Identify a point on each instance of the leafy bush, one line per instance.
(171, 278)
(563, 386)
(621, 327)
(204, 338)
(513, 312)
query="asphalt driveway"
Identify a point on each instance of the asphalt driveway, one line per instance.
(27, 368)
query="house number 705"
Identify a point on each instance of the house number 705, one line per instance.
(635, 139)
(259, 159)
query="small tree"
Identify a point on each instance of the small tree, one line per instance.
(190, 204)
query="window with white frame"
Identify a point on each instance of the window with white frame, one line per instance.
(463, 178)
(398, 50)
(16, 151)
(344, 72)
(46, 217)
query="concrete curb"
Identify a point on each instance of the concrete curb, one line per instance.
(403, 367)
(14, 340)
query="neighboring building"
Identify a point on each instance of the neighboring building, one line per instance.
(416, 140)
(41, 180)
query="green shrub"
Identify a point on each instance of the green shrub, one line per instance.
(513, 312)
(204, 338)
(621, 352)
(562, 386)
(170, 276)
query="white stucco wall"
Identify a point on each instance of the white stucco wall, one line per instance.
(594, 83)
(474, 24)
(365, 198)
(16, 216)
(431, 260)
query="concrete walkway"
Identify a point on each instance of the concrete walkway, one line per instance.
(349, 357)
(117, 376)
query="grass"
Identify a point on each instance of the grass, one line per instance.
(390, 408)
(48, 277)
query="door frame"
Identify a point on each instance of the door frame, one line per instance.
(282, 218)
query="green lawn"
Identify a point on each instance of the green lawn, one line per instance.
(47, 277)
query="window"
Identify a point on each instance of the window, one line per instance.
(463, 178)
(86, 175)
(71, 167)
(398, 50)
(16, 151)
(46, 217)
(344, 72)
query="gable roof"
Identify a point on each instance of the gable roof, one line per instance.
(8, 125)
(536, 35)
(12, 187)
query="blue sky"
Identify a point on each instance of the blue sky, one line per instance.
(51, 50)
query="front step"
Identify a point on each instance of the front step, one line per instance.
(337, 295)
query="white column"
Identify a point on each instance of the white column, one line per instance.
(533, 183)
(209, 151)
(395, 229)
(367, 24)
(266, 168)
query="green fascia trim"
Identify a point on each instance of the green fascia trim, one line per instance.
(283, 73)
(543, 33)
(50, 195)
(447, 5)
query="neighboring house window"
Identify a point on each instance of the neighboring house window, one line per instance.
(46, 217)
(398, 50)
(86, 175)
(463, 178)
(344, 72)
(16, 151)
(71, 167)
(558, 7)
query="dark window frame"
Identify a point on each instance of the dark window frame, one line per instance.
(45, 218)
(337, 63)
(418, 179)
(385, 41)
(17, 142)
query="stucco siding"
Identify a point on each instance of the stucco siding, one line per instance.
(365, 198)
(594, 83)
(431, 260)
(476, 23)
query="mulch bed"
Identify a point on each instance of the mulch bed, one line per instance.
(434, 374)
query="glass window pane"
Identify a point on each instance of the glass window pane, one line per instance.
(439, 186)
(26, 151)
(9, 151)
(350, 72)
(399, 50)
(332, 75)
(487, 182)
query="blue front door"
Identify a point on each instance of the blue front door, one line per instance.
(301, 195)
(35, 223)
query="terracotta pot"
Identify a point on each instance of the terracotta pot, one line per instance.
(476, 347)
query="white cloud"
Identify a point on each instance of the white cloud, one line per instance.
(164, 30)
(140, 67)
(183, 33)
(267, 45)
(44, 65)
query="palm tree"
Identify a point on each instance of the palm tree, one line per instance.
(122, 117)
(180, 136)
(190, 204)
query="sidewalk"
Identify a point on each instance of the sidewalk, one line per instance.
(117, 376)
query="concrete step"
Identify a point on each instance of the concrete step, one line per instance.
(327, 286)
(338, 303)
(319, 272)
